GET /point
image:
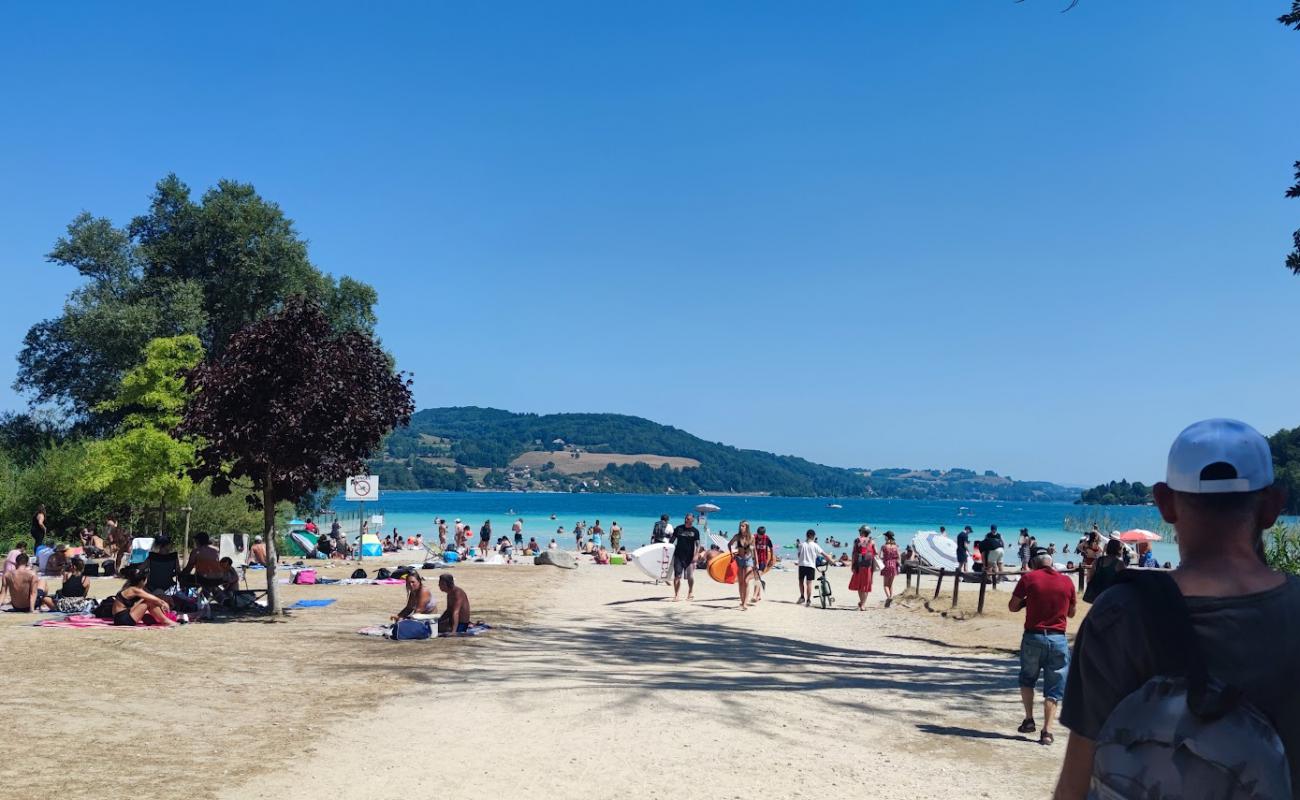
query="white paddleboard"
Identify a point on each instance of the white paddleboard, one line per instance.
(720, 541)
(655, 560)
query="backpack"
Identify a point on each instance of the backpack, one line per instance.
(401, 573)
(358, 574)
(105, 608)
(411, 629)
(1184, 733)
(660, 533)
(382, 574)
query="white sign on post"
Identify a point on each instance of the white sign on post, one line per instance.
(362, 489)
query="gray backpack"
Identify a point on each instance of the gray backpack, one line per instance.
(1184, 733)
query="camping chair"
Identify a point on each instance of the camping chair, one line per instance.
(431, 553)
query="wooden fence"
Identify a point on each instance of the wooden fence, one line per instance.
(914, 569)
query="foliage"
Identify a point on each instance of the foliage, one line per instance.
(55, 478)
(184, 267)
(23, 437)
(1282, 548)
(142, 463)
(290, 404)
(1117, 493)
(1285, 445)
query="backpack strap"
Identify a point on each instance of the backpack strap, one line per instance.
(1177, 649)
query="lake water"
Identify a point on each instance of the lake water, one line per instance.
(786, 518)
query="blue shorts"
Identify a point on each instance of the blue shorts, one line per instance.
(1046, 654)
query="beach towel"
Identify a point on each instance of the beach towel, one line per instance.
(82, 621)
(313, 603)
(386, 631)
(388, 582)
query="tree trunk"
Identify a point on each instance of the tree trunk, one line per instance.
(268, 536)
(162, 517)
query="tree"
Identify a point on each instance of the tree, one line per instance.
(288, 405)
(143, 463)
(206, 267)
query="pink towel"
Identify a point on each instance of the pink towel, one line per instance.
(389, 582)
(80, 621)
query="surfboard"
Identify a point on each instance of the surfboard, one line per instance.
(655, 560)
(722, 569)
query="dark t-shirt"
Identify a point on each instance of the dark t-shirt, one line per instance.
(1047, 595)
(963, 540)
(687, 539)
(1249, 641)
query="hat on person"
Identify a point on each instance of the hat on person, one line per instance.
(1218, 456)
(1039, 551)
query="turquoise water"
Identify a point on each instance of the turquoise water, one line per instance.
(786, 518)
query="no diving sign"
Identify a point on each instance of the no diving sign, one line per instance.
(362, 489)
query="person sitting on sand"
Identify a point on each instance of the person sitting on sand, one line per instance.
(25, 588)
(532, 546)
(75, 582)
(419, 600)
(325, 547)
(257, 553)
(230, 574)
(11, 560)
(57, 563)
(554, 545)
(132, 603)
(456, 618)
(205, 561)
(601, 555)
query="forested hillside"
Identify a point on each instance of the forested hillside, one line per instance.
(454, 448)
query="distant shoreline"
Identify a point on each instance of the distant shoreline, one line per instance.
(706, 495)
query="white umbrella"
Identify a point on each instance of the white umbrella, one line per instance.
(707, 508)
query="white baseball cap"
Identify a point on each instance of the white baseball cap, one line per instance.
(1217, 456)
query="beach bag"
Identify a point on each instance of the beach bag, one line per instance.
(382, 574)
(877, 564)
(412, 629)
(401, 573)
(91, 570)
(1184, 733)
(305, 577)
(105, 608)
(109, 569)
(358, 574)
(75, 605)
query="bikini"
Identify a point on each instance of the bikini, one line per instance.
(124, 617)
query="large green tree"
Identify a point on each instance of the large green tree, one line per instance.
(206, 267)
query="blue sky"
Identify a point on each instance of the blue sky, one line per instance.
(973, 233)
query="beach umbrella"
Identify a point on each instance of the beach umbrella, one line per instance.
(707, 508)
(1139, 535)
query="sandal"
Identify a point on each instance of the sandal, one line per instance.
(1045, 738)
(1027, 726)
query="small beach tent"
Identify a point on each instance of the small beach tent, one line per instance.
(301, 544)
(140, 547)
(235, 547)
(371, 547)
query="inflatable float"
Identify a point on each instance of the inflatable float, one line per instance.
(723, 569)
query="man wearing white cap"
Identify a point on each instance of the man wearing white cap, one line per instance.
(1237, 617)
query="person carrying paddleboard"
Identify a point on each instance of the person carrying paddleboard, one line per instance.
(686, 551)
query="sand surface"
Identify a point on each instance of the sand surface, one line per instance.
(594, 685)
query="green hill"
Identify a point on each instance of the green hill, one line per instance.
(468, 447)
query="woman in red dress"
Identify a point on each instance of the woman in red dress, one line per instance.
(864, 566)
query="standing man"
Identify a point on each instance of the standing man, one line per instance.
(809, 550)
(484, 537)
(1048, 599)
(686, 552)
(38, 528)
(1220, 497)
(662, 530)
(963, 549)
(993, 548)
(518, 529)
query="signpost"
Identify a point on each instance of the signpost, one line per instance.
(360, 489)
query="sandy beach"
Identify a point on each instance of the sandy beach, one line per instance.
(592, 685)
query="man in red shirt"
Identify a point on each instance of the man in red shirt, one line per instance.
(1048, 599)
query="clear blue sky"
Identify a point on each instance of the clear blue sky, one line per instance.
(915, 233)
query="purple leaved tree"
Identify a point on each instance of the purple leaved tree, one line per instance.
(289, 405)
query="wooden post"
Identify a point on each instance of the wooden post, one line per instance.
(938, 584)
(984, 582)
(956, 587)
(907, 574)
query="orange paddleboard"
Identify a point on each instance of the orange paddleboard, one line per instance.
(723, 569)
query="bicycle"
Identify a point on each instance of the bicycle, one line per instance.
(824, 593)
